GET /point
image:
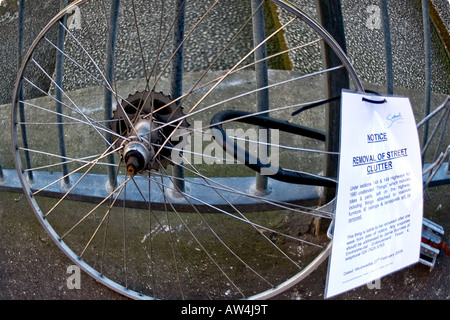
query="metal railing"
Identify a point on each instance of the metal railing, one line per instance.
(330, 16)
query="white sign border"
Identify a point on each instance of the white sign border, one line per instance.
(330, 287)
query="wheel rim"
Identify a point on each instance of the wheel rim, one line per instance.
(139, 234)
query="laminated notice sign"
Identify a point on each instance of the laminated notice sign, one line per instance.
(379, 205)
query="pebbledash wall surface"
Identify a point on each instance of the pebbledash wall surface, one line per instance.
(37, 15)
(364, 39)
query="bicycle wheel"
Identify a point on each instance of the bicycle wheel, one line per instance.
(138, 127)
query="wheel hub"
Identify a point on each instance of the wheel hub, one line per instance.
(147, 121)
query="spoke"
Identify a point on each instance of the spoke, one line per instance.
(78, 181)
(160, 45)
(73, 61)
(106, 231)
(95, 208)
(441, 120)
(169, 61)
(107, 83)
(172, 243)
(261, 233)
(141, 49)
(220, 239)
(316, 212)
(196, 88)
(28, 123)
(71, 101)
(218, 82)
(104, 83)
(244, 217)
(435, 165)
(124, 233)
(60, 163)
(150, 213)
(147, 77)
(194, 27)
(445, 105)
(219, 210)
(66, 158)
(162, 188)
(102, 220)
(100, 82)
(189, 114)
(165, 231)
(188, 131)
(79, 121)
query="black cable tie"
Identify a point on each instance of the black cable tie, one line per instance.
(375, 98)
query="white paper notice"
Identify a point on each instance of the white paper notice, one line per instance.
(379, 198)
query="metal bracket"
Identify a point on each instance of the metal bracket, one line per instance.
(432, 234)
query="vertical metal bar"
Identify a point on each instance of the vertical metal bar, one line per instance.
(108, 98)
(330, 16)
(20, 55)
(388, 47)
(59, 71)
(177, 76)
(262, 81)
(427, 50)
(448, 163)
(1, 172)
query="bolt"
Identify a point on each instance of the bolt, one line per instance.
(133, 165)
(136, 157)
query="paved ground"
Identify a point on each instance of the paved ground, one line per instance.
(31, 267)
